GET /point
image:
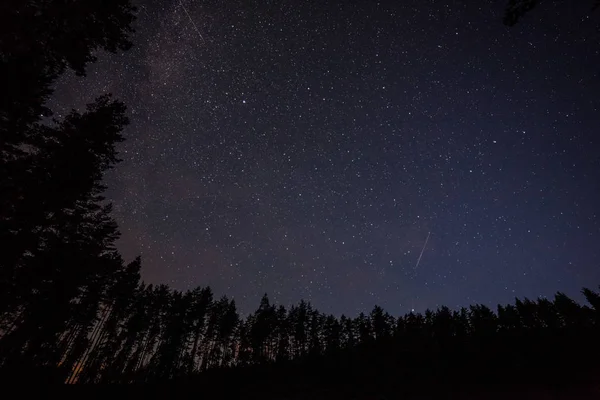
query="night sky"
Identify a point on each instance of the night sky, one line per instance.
(306, 149)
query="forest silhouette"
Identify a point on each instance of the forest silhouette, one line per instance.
(72, 311)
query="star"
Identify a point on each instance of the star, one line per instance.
(308, 154)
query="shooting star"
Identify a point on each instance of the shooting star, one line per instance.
(412, 307)
(191, 20)
(422, 250)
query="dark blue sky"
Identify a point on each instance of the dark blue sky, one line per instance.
(306, 149)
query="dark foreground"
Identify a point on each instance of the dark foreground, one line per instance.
(564, 373)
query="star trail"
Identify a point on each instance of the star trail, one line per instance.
(306, 149)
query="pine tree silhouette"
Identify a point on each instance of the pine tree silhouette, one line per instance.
(39, 40)
(61, 234)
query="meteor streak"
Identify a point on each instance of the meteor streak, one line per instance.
(191, 20)
(422, 250)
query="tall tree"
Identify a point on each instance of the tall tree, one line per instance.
(382, 323)
(262, 331)
(283, 335)
(315, 333)
(60, 232)
(56, 226)
(105, 339)
(202, 300)
(38, 40)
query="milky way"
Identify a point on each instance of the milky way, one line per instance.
(305, 149)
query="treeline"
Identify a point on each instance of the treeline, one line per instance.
(125, 331)
(121, 330)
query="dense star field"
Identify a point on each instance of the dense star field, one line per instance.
(306, 149)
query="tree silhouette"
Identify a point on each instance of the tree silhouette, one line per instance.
(39, 40)
(202, 299)
(60, 233)
(282, 334)
(105, 338)
(332, 335)
(59, 236)
(516, 9)
(298, 317)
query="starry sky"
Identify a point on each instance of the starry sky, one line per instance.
(307, 149)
